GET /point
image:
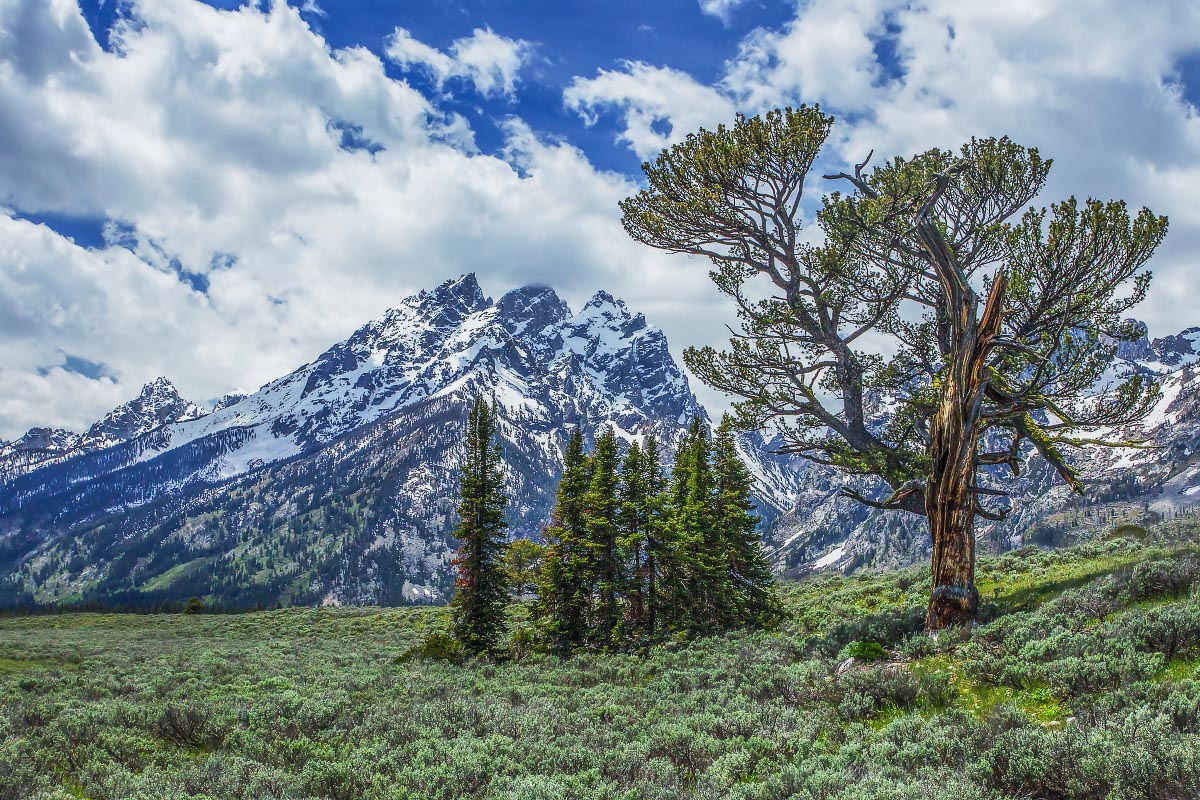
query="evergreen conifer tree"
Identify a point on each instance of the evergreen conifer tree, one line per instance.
(697, 573)
(751, 599)
(605, 561)
(563, 596)
(657, 532)
(632, 522)
(642, 537)
(480, 590)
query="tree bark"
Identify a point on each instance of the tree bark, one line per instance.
(950, 506)
(950, 496)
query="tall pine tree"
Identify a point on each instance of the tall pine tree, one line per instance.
(480, 589)
(642, 536)
(564, 598)
(632, 523)
(605, 561)
(657, 533)
(696, 563)
(751, 599)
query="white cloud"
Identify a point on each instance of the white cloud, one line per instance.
(311, 7)
(658, 105)
(237, 145)
(825, 54)
(489, 61)
(217, 143)
(721, 9)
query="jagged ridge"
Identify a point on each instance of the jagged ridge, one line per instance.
(334, 483)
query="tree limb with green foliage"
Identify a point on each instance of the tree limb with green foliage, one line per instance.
(1001, 320)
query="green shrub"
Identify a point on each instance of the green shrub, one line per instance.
(187, 726)
(864, 651)
(436, 646)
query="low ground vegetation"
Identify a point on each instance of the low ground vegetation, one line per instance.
(1083, 683)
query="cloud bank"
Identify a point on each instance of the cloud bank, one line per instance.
(263, 194)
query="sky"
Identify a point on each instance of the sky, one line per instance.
(217, 191)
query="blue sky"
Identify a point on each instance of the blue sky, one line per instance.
(569, 40)
(217, 191)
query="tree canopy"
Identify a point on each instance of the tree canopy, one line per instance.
(1001, 318)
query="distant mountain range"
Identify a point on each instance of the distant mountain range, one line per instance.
(158, 404)
(336, 482)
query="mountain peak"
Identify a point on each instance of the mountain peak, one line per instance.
(462, 291)
(230, 399)
(159, 387)
(159, 403)
(56, 439)
(1180, 349)
(531, 308)
(602, 298)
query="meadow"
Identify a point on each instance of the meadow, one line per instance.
(1083, 683)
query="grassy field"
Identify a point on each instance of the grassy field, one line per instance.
(1084, 683)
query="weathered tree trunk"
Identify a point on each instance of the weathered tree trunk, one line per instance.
(950, 506)
(951, 495)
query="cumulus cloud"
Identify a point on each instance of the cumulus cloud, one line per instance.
(266, 195)
(489, 61)
(826, 54)
(658, 106)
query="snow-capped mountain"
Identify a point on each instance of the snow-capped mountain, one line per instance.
(158, 404)
(335, 483)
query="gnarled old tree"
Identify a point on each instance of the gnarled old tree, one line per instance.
(1001, 321)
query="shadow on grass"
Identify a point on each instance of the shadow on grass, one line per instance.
(1029, 597)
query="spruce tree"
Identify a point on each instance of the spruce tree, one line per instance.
(657, 532)
(563, 596)
(696, 563)
(632, 524)
(751, 600)
(605, 562)
(642, 537)
(480, 589)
